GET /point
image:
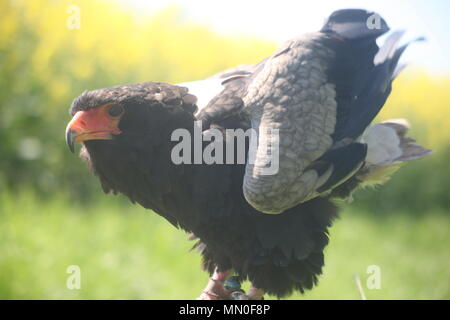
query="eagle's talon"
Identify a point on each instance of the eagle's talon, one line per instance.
(208, 295)
(215, 289)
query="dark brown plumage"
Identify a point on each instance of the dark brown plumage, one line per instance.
(128, 146)
(277, 253)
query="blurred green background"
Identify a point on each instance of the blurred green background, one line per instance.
(53, 213)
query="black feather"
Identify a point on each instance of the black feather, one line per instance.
(362, 87)
(346, 161)
(355, 24)
(279, 253)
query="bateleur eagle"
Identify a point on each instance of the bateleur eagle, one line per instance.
(318, 92)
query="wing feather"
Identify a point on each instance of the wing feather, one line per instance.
(312, 99)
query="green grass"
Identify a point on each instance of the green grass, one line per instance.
(126, 252)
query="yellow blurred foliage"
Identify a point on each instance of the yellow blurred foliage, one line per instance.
(162, 48)
(165, 47)
(424, 100)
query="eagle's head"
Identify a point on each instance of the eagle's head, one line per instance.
(125, 132)
(126, 113)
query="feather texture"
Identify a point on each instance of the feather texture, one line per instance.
(320, 91)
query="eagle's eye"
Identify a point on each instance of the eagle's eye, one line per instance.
(115, 110)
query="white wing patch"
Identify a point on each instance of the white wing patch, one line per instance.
(388, 148)
(383, 144)
(204, 90)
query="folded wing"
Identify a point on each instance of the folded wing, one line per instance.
(309, 104)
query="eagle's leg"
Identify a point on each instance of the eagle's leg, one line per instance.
(252, 294)
(215, 289)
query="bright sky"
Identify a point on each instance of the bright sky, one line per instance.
(280, 20)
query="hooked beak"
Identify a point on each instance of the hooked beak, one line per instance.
(94, 124)
(70, 139)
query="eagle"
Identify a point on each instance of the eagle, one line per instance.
(285, 138)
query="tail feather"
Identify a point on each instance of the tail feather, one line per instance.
(388, 148)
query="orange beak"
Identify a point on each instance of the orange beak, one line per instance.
(94, 124)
